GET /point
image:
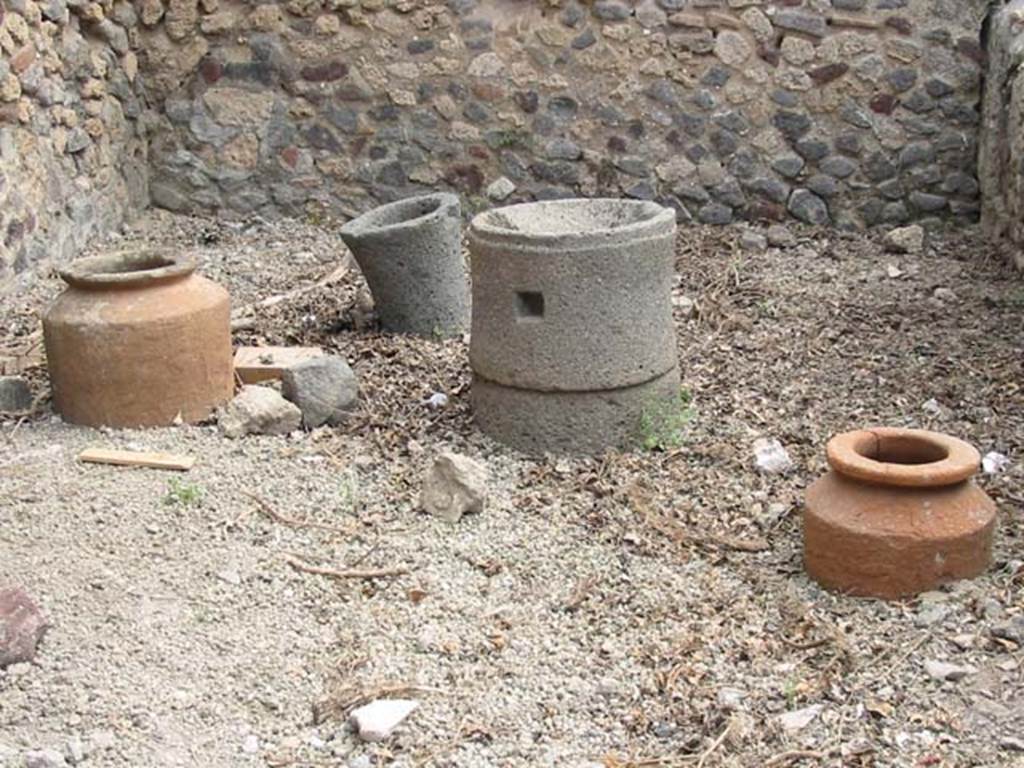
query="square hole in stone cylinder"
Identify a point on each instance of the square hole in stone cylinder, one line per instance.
(529, 306)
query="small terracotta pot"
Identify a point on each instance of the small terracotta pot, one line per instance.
(138, 339)
(898, 514)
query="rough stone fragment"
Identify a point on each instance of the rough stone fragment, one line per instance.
(905, 239)
(454, 485)
(753, 241)
(943, 670)
(324, 388)
(800, 718)
(15, 394)
(771, 457)
(780, 237)
(261, 411)
(500, 189)
(44, 758)
(377, 720)
(22, 626)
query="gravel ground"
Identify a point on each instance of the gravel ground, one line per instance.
(623, 611)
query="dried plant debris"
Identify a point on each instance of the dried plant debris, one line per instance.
(626, 610)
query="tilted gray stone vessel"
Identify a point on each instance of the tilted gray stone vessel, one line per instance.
(410, 253)
(572, 333)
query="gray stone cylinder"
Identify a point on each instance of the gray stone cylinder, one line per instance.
(410, 253)
(572, 322)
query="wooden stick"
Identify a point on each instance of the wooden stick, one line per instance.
(350, 573)
(715, 745)
(265, 507)
(137, 459)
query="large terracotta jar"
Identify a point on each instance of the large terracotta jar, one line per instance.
(898, 514)
(138, 340)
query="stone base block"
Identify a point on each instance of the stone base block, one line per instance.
(568, 422)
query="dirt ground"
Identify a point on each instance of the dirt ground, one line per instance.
(630, 610)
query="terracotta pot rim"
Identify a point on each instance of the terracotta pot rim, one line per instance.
(916, 458)
(133, 268)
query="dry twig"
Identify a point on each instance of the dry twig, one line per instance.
(266, 508)
(346, 573)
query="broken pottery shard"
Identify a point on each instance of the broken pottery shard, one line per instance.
(453, 486)
(22, 626)
(261, 411)
(770, 457)
(377, 721)
(256, 364)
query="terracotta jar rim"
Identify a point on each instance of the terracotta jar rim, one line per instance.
(916, 458)
(135, 268)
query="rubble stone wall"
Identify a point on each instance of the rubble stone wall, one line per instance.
(850, 112)
(1001, 160)
(73, 154)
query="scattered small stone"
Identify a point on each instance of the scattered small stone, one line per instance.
(993, 462)
(894, 272)
(500, 189)
(454, 485)
(1011, 743)
(780, 237)
(730, 698)
(437, 400)
(251, 744)
(74, 751)
(932, 407)
(685, 305)
(376, 721)
(905, 239)
(942, 670)
(944, 295)
(753, 241)
(770, 457)
(230, 576)
(15, 394)
(362, 761)
(22, 626)
(325, 389)
(1012, 630)
(260, 411)
(800, 718)
(102, 740)
(44, 758)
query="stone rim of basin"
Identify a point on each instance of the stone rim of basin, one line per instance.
(409, 213)
(577, 222)
(129, 268)
(915, 458)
